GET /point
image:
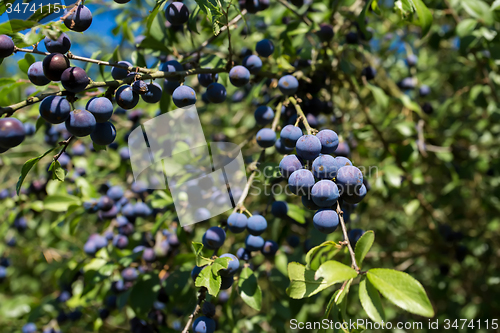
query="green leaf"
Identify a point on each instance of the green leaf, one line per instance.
(479, 10)
(424, 16)
(361, 19)
(249, 289)
(220, 263)
(192, 20)
(98, 147)
(306, 282)
(334, 272)
(392, 175)
(207, 279)
(57, 171)
(465, 27)
(363, 245)
(200, 259)
(144, 293)
(402, 290)
(27, 167)
(370, 300)
(321, 253)
(16, 25)
(379, 95)
(26, 62)
(60, 202)
(296, 213)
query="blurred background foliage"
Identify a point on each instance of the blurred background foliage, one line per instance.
(434, 199)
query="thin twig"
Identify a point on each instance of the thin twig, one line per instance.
(115, 83)
(346, 238)
(229, 49)
(302, 17)
(244, 195)
(70, 55)
(222, 29)
(197, 309)
(71, 11)
(65, 145)
(301, 114)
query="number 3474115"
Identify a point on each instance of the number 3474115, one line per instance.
(31, 8)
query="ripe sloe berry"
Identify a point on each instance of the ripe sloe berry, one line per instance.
(279, 209)
(256, 225)
(206, 79)
(281, 148)
(184, 96)
(216, 93)
(270, 248)
(288, 85)
(60, 45)
(301, 182)
(349, 179)
(264, 115)
(203, 324)
(329, 141)
(79, 20)
(80, 123)
(177, 13)
(55, 109)
(54, 65)
(325, 193)
(266, 137)
(104, 134)
(325, 32)
(153, 93)
(239, 76)
(12, 132)
(74, 79)
(254, 243)
(233, 265)
(290, 134)
(101, 108)
(264, 48)
(308, 147)
(214, 238)
(237, 222)
(252, 63)
(289, 164)
(120, 73)
(6, 46)
(126, 98)
(36, 76)
(326, 220)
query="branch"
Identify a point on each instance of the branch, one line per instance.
(230, 49)
(65, 145)
(71, 11)
(346, 238)
(70, 55)
(302, 17)
(197, 309)
(115, 83)
(301, 114)
(262, 155)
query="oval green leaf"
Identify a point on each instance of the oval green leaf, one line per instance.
(402, 290)
(363, 246)
(370, 300)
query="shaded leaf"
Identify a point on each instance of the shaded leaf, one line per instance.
(370, 300)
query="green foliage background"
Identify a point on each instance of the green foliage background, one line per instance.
(425, 205)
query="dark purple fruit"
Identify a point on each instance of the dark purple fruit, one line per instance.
(60, 45)
(54, 65)
(74, 79)
(36, 76)
(11, 132)
(80, 123)
(6, 46)
(80, 20)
